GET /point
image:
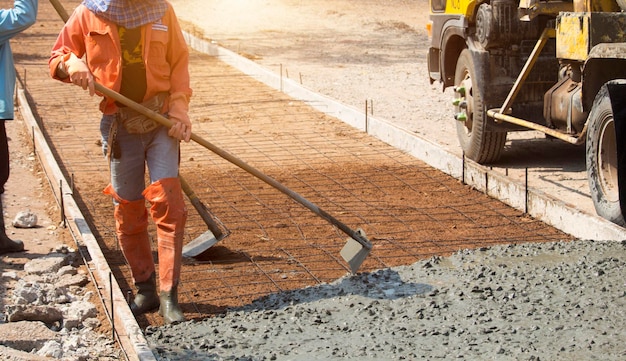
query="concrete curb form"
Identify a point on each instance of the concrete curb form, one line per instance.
(536, 203)
(129, 334)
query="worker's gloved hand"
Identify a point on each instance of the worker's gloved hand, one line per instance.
(178, 113)
(79, 73)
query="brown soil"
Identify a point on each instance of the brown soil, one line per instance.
(409, 211)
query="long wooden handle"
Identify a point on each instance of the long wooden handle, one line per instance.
(60, 10)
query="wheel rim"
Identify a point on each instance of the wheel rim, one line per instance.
(480, 26)
(483, 24)
(607, 161)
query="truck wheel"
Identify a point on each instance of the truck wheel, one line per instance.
(478, 142)
(601, 153)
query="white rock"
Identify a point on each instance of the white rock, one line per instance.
(91, 323)
(51, 349)
(25, 219)
(9, 275)
(67, 270)
(80, 311)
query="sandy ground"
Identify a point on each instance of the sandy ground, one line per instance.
(29, 190)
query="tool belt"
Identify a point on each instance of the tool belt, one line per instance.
(137, 123)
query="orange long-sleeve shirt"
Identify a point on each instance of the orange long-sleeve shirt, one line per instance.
(165, 55)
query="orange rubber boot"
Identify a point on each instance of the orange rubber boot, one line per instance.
(131, 225)
(170, 215)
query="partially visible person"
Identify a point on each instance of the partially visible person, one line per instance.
(136, 48)
(12, 22)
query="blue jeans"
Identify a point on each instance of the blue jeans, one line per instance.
(156, 149)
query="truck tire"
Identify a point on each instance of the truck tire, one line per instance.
(478, 142)
(601, 154)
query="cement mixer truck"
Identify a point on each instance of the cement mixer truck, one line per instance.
(558, 67)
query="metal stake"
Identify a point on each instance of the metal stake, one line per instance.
(62, 204)
(112, 310)
(366, 120)
(487, 183)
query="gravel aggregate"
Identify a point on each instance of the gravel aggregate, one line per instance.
(544, 301)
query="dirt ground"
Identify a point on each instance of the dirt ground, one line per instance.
(408, 210)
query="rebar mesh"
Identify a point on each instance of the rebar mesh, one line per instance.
(408, 210)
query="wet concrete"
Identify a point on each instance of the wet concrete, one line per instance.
(549, 301)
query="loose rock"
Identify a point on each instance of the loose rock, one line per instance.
(25, 219)
(48, 313)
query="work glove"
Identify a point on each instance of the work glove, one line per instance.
(179, 114)
(78, 72)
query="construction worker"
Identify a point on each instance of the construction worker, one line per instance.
(12, 22)
(136, 48)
